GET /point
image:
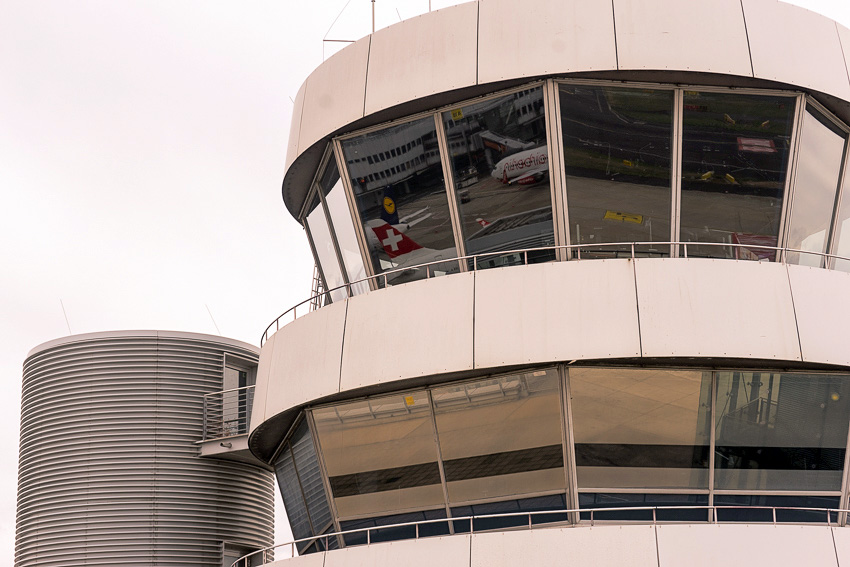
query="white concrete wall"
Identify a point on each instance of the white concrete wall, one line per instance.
(697, 545)
(560, 311)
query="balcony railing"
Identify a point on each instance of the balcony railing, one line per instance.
(227, 413)
(586, 517)
(611, 250)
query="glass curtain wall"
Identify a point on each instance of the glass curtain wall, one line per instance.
(500, 167)
(640, 438)
(617, 159)
(340, 215)
(320, 233)
(397, 178)
(735, 150)
(818, 171)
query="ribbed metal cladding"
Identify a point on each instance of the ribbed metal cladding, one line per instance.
(109, 469)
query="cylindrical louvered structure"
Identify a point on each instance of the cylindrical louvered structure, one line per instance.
(110, 472)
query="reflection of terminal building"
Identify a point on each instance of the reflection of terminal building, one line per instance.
(648, 202)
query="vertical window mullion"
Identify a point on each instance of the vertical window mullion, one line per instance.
(557, 177)
(445, 161)
(790, 179)
(570, 463)
(676, 171)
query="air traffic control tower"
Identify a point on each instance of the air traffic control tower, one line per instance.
(586, 269)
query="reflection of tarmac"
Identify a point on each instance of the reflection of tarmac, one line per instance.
(491, 200)
(705, 216)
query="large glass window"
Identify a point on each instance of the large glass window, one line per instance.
(500, 166)
(735, 150)
(501, 437)
(381, 455)
(780, 431)
(401, 198)
(841, 233)
(818, 171)
(617, 161)
(317, 224)
(340, 216)
(300, 480)
(637, 428)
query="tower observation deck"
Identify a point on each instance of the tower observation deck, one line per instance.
(589, 257)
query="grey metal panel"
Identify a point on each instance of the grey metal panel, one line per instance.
(545, 38)
(796, 46)
(444, 43)
(410, 330)
(292, 150)
(305, 361)
(719, 308)
(687, 36)
(711, 545)
(614, 546)
(337, 89)
(822, 308)
(109, 470)
(450, 551)
(555, 311)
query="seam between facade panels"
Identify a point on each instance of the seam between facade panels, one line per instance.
(637, 307)
(616, 50)
(657, 549)
(342, 346)
(794, 311)
(841, 45)
(747, 35)
(366, 79)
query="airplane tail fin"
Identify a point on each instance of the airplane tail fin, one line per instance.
(394, 242)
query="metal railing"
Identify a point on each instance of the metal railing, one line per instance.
(227, 413)
(584, 517)
(609, 250)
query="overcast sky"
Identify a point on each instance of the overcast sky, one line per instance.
(142, 148)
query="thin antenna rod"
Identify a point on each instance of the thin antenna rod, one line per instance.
(66, 316)
(213, 319)
(373, 16)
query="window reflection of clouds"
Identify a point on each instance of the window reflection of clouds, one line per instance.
(818, 168)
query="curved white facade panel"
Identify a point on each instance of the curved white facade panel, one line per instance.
(585, 310)
(559, 45)
(482, 42)
(446, 50)
(708, 37)
(805, 37)
(700, 545)
(109, 467)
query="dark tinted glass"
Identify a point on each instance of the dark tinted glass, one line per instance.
(601, 500)
(735, 151)
(390, 534)
(553, 502)
(764, 515)
(781, 431)
(617, 161)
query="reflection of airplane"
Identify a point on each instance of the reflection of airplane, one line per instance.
(404, 251)
(525, 168)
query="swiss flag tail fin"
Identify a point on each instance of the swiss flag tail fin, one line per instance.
(394, 242)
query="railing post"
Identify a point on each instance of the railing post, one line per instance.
(368, 536)
(774, 514)
(591, 517)
(417, 531)
(654, 519)
(525, 253)
(475, 263)
(633, 250)
(685, 249)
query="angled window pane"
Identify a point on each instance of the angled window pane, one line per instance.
(617, 161)
(343, 227)
(381, 455)
(501, 436)
(735, 152)
(818, 168)
(293, 498)
(781, 431)
(404, 211)
(309, 474)
(500, 166)
(636, 428)
(841, 238)
(317, 224)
